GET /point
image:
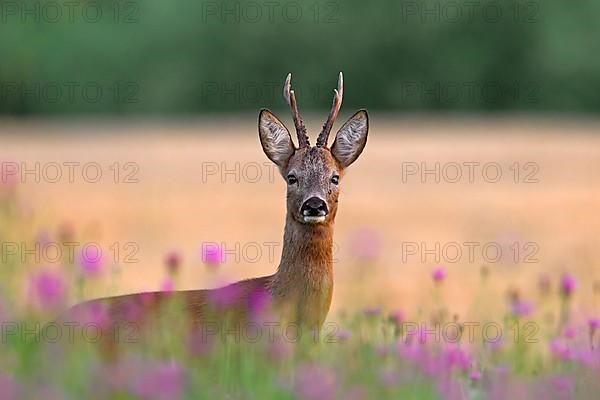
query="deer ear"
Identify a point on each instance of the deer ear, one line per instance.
(351, 139)
(275, 138)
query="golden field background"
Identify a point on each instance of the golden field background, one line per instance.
(171, 208)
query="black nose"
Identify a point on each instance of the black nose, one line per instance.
(314, 207)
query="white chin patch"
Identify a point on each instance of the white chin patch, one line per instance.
(314, 220)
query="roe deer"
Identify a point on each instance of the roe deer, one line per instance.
(302, 287)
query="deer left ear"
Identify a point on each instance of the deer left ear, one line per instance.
(351, 139)
(275, 138)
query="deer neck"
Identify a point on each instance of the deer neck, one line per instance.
(304, 279)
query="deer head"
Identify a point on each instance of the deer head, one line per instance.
(313, 174)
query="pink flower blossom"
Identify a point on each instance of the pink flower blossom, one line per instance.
(343, 335)
(8, 387)
(212, 254)
(521, 308)
(390, 378)
(172, 262)
(279, 349)
(160, 381)
(475, 375)
(47, 290)
(569, 332)
(396, 316)
(560, 350)
(372, 311)
(438, 274)
(568, 284)
(167, 285)
(456, 357)
(315, 382)
(91, 261)
(91, 313)
(225, 296)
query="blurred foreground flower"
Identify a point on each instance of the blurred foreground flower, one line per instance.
(372, 311)
(212, 254)
(315, 382)
(8, 387)
(521, 308)
(90, 261)
(172, 262)
(167, 285)
(568, 284)
(438, 274)
(544, 284)
(475, 375)
(342, 335)
(47, 290)
(160, 381)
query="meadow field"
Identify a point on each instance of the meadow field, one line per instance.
(442, 223)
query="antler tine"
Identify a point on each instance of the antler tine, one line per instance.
(290, 97)
(335, 109)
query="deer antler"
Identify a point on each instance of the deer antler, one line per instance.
(335, 109)
(290, 97)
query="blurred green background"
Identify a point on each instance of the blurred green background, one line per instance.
(189, 57)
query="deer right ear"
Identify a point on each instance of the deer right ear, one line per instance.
(275, 139)
(351, 139)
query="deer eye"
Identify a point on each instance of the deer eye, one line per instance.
(335, 179)
(291, 179)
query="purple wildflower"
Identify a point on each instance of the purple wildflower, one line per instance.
(167, 285)
(225, 296)
(397, 317)
(279, 350)
(160, 381)
(438, 274)
(569, 332)
(212, 254)
(568, 284)
(47, 290)
(560, 350)
(315, 382)
(343, 335)
(372, 311)
(456, 357)
(521, 308)
(544, 284)
(91, 261)
(389, 378)
(172, 262)
(8, 387)
(475, 375)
